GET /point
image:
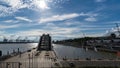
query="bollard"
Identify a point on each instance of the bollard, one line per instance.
(7, 65)
(8, 53)
(13, 51)
(29, 59)
(0, 53)
(18, 50)
(19, 64)
(32, 60)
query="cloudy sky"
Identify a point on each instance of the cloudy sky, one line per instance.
(60, 18)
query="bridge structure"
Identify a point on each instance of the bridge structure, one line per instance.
(45, 42)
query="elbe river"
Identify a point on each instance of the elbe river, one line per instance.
(61, 51)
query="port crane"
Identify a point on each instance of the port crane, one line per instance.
(13, 38)
(118, 29)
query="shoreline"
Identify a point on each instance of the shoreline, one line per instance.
(99, 49)
(16, 42)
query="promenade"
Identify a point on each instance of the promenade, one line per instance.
(44, 57)
(48, 59)
(33, 59)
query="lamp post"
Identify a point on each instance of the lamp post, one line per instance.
(29, 59)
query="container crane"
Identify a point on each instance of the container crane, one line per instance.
(118, 28)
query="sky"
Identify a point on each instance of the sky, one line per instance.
(62, 19)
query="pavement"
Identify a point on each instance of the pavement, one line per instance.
(36, 59)
(48, 59)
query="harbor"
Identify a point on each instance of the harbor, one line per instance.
(59, 34)
(47, 55)
(48, 59)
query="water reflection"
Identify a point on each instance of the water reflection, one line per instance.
(61, 51)
(73, 52)
(22, 46)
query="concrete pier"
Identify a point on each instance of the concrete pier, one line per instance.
(33, 59)
(44, 57)
(92, 63)
(48, 59)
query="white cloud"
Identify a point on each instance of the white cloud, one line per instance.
(14, 6)
(10, 21)
(52, 29)
(100, 0)
(9, 26)
(4, 11)
(2, 32)
(90, 19)
(23, 19)
(13, 3)
(88, 14)
(68, 16)
(113, 30)
(59, 17)
(64, 33)
(58, 32)
(94, 34)
(41, 4)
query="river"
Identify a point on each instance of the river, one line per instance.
(14, 46)
(61, 51)
(74, 53)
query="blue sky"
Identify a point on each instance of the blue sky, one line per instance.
(62, 19)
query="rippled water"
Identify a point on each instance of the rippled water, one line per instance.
(61, 51)
(73, 52)
(22, 47)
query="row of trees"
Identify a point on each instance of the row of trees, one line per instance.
(83, 40)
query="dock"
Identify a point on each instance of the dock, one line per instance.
(44, 57)
(33, 59)
(48, 59)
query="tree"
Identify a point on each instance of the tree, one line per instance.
(113, 35)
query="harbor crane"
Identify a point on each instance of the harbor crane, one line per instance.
(118, 29)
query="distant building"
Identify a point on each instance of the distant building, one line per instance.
(5, 40)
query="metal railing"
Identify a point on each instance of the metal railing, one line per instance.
(10, 65)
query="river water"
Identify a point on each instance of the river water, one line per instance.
(74, 53)
(14, 46)
(61, 51)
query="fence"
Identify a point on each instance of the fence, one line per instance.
(10, 65)
(27, 64)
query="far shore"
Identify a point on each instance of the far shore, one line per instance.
(80, 46)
